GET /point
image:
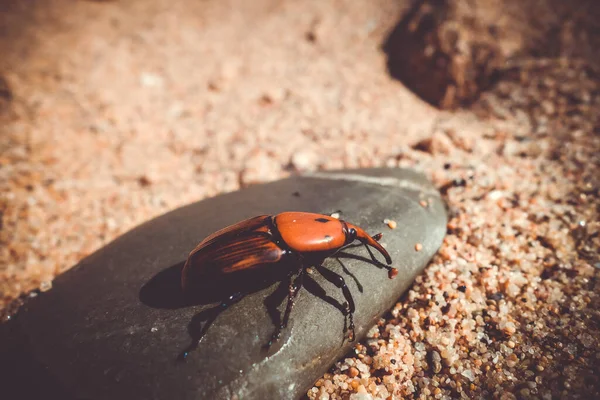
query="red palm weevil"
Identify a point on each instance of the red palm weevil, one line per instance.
(293, 241)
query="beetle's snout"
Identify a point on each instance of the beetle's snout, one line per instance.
(368, 240)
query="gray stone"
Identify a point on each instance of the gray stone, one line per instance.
(113, 327)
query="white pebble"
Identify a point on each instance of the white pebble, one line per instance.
(467, 373)
(148, 79)
(361, 396)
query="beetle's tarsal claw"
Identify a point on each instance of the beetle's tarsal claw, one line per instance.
(392, 272)
(378, 236)
(350, 333)
(350, 330)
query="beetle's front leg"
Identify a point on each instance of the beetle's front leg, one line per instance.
(339, 281)
(293, 290)
(294, 287)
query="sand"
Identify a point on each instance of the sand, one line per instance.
(114, 112)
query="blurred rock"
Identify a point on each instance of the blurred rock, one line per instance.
(448, 51)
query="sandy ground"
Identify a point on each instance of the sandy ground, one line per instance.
(114, 112)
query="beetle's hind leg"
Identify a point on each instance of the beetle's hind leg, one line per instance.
(339, 281)
(293, 289)
(208, 317)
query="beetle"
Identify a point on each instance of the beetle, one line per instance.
(285, 244)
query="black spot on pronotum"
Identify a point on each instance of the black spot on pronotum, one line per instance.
(322, 220)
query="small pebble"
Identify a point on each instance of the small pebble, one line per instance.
(45, 286)
(148, 79)
(390, 223)
(436, 360)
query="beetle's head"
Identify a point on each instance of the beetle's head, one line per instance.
(350, 235)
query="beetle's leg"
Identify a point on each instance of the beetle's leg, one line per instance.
(339, 281)
(209, 316)
(293, 290)
(292, 294)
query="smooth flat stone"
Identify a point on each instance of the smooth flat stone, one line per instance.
(113, 326)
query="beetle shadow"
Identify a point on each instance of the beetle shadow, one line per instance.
(164, 291)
